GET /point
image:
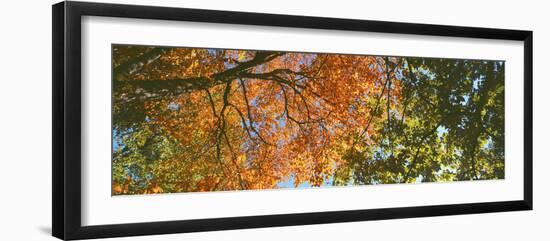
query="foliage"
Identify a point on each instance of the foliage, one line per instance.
(190, 119)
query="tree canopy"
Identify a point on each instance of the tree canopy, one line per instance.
(197, 119)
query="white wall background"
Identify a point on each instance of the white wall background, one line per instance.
(25, 120)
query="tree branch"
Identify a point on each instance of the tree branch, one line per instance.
(249, 113)
(133, 65)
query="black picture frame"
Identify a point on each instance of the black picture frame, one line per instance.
(66, 129)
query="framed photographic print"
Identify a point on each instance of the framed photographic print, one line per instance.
(170, 120)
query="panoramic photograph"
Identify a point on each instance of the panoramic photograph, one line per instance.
(190, 119)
